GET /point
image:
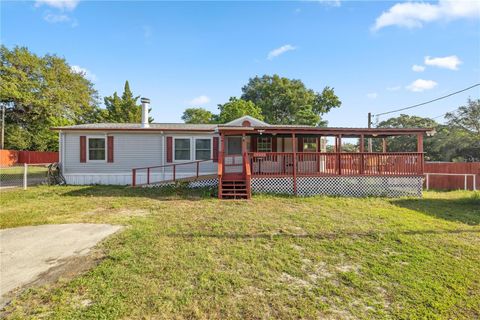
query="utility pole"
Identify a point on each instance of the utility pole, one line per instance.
(369, 126)
(3, 126)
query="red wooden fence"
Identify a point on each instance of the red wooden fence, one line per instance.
(12, 157)
(452, 182)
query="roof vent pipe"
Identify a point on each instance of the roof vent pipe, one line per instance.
(145, 107)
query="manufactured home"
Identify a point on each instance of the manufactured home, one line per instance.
(240, 157)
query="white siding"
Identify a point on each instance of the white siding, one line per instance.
(131, 150)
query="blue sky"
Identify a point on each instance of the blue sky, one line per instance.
(182, 54)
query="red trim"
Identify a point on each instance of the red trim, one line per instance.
(110, 149)
(169, 149)
(215, 149)
(83, 149)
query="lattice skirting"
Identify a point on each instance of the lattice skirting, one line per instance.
(191, 184)
(282, 185)
(342, 186)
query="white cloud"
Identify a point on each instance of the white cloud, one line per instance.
(415, 14)
(200, 100)
(372, 95)
(418, 68)
(87, 73)
(450, 62)
(394, 88)
(420, 85)
(56, 18)
(331, 3)
(58, 4)
(279, 51)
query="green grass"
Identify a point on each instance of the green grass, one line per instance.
(186, 255)
(15, 173)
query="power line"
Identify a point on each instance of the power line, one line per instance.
(424, 103)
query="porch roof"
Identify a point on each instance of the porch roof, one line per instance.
(325, 131)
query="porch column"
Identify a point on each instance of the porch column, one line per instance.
(384, 145)
(362, 150)
(339, 150)
(294, 147)
(244, 152)
(420, 151)
(420, 142)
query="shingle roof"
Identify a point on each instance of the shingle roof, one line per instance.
(138, 126)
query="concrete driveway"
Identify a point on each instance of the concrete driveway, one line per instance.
(28, 253)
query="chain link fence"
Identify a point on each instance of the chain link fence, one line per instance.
(23, 175)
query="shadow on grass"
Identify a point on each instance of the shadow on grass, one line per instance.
(465, 210)
(163, 193)
(318, 236)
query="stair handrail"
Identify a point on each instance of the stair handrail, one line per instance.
(174, 165)
(248, 173)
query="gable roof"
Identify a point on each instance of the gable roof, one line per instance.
(239, 122)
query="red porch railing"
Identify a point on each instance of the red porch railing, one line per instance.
(167, 172)
(319, 164)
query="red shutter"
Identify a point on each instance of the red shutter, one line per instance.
(274, 144)
(110, 149)
(83, 149)
(169, 149)
(215, 149)
(253, 143)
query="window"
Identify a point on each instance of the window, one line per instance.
(182, 149)
(96, 149)
(309, 144)
(203, 149)
(264, 144)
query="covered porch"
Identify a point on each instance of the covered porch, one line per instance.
(290, 155)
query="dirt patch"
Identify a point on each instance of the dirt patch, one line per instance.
(122, 212)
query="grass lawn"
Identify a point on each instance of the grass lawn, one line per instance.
(15, 173)
(184, 255)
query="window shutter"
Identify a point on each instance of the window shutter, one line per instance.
(215, 149)
(169, 149)
(83, 149)
(110, 149)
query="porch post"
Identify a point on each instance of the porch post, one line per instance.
(420, 142)
(294, 147)
(222, 151)
(362, 150)
(339, 150)
(384, 144)
(420, 151)
(244, 151)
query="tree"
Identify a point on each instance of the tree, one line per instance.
(287, 101)
(467, 117)
(236, 108)
(455, 141)
(124, 109)
(466, 122)
(198, 115)
(39, 93)
(406, 143)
